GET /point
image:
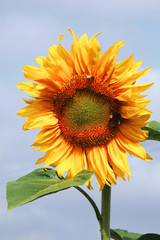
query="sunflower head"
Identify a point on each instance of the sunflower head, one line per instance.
(88, 109)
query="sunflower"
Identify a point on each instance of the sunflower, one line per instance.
(89, 109)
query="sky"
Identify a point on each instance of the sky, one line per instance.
(27, 30)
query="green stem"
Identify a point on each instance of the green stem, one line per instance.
(98, 215)
(105, 213)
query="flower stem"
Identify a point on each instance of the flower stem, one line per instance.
(98, 215)
(105, 213)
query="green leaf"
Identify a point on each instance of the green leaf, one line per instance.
(39, 183)
(150, 236)
(154, 130)
(120, 234)
(115, 235)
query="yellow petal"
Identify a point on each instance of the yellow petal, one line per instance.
(82, 56)
(108, 60)
(30, 88)
(41, 75)
(96, 162)
(131, 147)
(77, 163)
(118, 156)
(42, 159)
(133, 133)
(51, 144)
(84, 161)
(28, 101)
(120, 70)
(135, 66)
(148, 157)
(36, 106)
(40, 120)
(64, 166)
(45, 135)
(88, 183)
(128, 112)
(142, 103)
(36, 90)
(138, 88)
(58, 154)
(109, 172)
(60, 64)
(94, 54)
(138, 75)
(101, 183)
(138, 96)
(74, 44)
(140, 121)
(54, 142)
(44, 62)
(124, 77)
(35, 73)
(66, 57)
(125, 96)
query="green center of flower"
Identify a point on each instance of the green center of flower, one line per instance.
(86, 110)
(88, 114)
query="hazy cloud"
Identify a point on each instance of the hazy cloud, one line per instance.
(28, 29)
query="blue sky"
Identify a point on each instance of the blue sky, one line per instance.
(28, 29)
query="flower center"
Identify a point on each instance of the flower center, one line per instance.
(87, 117)
(86, 110)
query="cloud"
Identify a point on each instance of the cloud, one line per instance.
(28, 29)
(71, 8)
